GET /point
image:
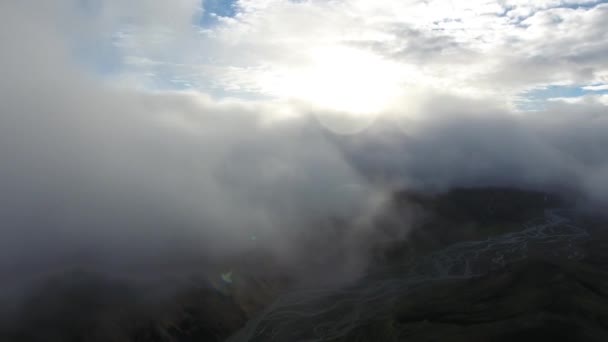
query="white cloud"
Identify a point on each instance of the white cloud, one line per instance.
(482, 48)
(96, 174)
(598, 87)
(95, 164)
(469, 48)
(589, 98)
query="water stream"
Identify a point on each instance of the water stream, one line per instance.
(324, 314)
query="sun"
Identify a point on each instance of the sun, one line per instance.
(339, 79)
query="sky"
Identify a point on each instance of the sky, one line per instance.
(326, 53)
(146, 131)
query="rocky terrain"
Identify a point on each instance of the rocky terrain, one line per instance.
(535, 278)
(482, 264)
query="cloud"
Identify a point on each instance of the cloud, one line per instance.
(479, 48)
(108, 177)
(200, 137)
(455, 142)
(599, 87)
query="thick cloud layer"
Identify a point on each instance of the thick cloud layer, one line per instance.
(450, 142)
(100, 173)
(95, 176)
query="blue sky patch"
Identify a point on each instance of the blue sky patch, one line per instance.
(535, 99)
(586, 4)
(217, 8)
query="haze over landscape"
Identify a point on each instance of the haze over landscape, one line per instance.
(164, 145)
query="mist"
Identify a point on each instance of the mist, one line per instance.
(99, 174)
(449, 142)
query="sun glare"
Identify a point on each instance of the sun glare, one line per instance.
(339, 79)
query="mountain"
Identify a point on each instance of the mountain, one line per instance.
(488, 264)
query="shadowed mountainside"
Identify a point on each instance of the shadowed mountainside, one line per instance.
(534, 297)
